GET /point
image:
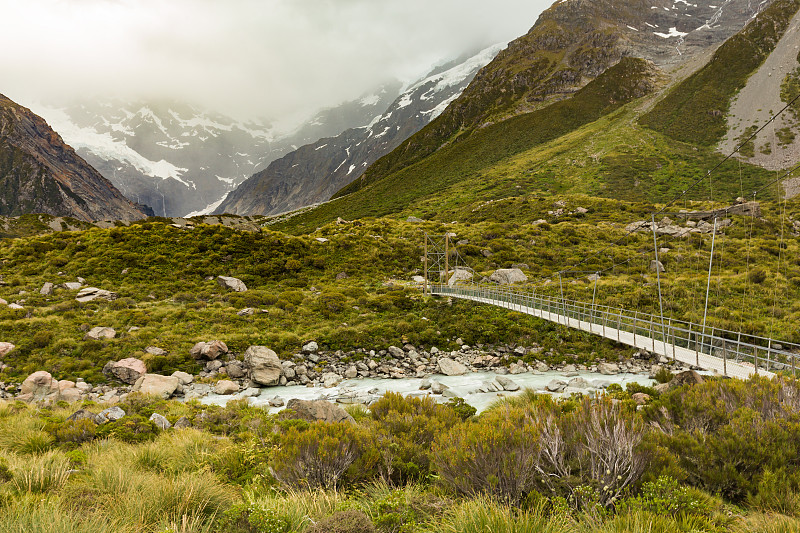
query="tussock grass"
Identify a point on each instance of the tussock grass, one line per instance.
(32, 514)
(299, 508)
(24, 433)
(484, 515)
(48, 471)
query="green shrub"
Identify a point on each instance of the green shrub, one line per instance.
(249, 517)
(74, 431)
(402, 432)
(464, 410)
(725, 434)
(777, 492)
(132, 429)
(496, 455)
(317, 456)
(349, 521)
(665, 496)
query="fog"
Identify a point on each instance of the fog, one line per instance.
(276, 59)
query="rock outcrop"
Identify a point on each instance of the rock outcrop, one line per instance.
(318, 410)
(265, 367)
(39, 173)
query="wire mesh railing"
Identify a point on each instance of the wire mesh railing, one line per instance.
(732, 353)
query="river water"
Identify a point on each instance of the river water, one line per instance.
(364, 389)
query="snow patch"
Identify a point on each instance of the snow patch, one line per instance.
(673, 32)
(207, 210)
(106, 147)
(321, 147)
(405, 101)
(632, 28)
(352, 168)
(370, 100)
(459, 73)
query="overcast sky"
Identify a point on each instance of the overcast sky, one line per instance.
(270, 58)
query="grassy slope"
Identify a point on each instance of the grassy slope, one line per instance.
(695, 110)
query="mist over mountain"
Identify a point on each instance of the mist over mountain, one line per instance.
(314, 172)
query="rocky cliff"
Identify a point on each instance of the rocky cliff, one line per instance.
(39, 173)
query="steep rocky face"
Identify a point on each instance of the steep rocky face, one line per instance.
(39, 173)
(572, 43)
(314, 172)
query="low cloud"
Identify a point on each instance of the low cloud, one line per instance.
(278, 59)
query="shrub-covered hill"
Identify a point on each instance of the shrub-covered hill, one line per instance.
(347, 284)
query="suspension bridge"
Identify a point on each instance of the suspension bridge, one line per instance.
(729, 353)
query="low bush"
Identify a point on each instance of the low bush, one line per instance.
(496, 455)
(318, 456)
(403, 431)
(349, 521)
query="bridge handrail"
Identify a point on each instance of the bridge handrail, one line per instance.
(736, 346)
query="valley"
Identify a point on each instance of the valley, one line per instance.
(551, 285)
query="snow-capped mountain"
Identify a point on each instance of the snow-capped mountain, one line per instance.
(181, 160)
(314, 172)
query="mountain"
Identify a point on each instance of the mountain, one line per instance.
(181, 159)
(540, 120)
(39, 173)
(314, 172)
(572, 43)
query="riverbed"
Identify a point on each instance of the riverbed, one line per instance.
(466, 386)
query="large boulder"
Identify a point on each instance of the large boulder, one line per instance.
(459, 275)
(265, 367)
(226, 386)
(100, 333)
(507, 276)
(5, 348)
(689, 377)
(88, 294)
(608, 369)
(157, 385)
(85, 414)
(160, 421)
(448, 367)
(209, 350)
(318, 410)
(127, 370)
(232, 284)
(38, 386)
(110, 414)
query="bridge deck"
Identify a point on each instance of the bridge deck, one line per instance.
(721, 351)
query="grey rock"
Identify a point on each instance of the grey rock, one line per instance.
(226, 386)
(184, 377)
(232, 284)
(160, 421)
(85, 414)
(38, 386)
(396, 352)
(507, 383)
(608, 369)
(448, 367)
(277, 401)
(331, 379)
(89, 294)
(265, 367)
(459, 275)
(209, 350)
(425, 384)
(578, 383)
(47, 289)
(5, 348)
(156, 384)
(656, 266)
(507, 276)
(351, 372)
(155, 350)
(127, 370)
(72, 285)
(111, 414)
(556, 385)
(182, 423)
(236, 369)
(438, 388)
(319, 410)
(311, 347)
(542, 367)
(99, 333)
(250, 392)
(449, 393)
(247, 311)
